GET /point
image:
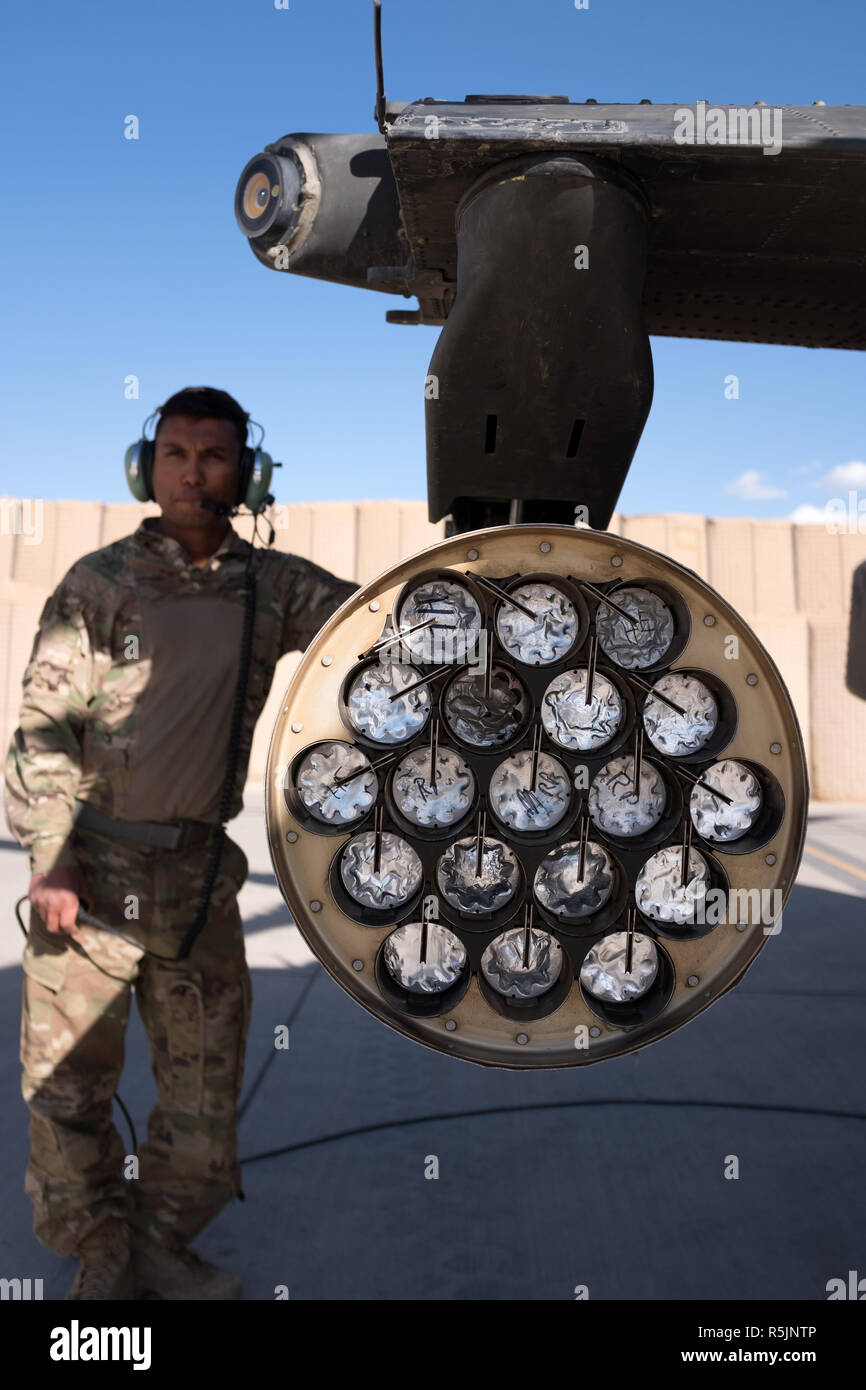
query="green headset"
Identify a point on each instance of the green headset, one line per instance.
(254, 477)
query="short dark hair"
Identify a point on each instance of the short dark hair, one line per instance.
(205, 403)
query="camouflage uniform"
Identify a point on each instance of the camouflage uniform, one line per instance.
(126, 706)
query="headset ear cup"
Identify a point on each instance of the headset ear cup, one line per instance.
(138, 467)
(258, 478)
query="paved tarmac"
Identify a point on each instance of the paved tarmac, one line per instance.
(609, 1177)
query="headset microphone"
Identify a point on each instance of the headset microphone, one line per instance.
(221, 508)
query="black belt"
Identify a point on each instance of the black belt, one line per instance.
(178, 834)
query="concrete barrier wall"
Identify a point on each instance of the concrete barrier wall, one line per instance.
(792, 584)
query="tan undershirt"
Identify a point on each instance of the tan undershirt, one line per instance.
(178, 761)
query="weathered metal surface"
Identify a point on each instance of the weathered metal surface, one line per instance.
(743, 245)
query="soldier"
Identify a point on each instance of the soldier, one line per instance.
(113, 782)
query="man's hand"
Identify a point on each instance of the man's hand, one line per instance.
(56, 896)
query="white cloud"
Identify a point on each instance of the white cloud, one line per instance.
(807, 515)
(844, 475)
(753, 487)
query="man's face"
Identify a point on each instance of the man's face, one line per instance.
(195, 459)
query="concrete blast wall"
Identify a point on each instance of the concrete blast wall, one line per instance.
(791, 583)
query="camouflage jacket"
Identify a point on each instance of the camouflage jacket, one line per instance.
(131, 681)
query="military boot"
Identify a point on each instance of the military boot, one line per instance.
(106, 1266)
(163, 1271)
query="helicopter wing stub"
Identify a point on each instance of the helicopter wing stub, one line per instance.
(756, 239)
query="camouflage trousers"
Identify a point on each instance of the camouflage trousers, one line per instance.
(76, 1005)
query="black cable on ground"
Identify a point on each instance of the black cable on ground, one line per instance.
(552, 1105)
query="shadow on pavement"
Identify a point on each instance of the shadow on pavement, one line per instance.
(608, 1176)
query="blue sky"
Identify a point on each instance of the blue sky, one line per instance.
(123, 257)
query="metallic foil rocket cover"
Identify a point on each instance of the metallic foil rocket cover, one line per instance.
(485, 720)
(549, 636)
(572, 722)
(715, 819)
(424, 803)
(523, 807)
(559, 888)
(603, 971)
(660, 893)
(470, 891)
(635, 645)
(442, 966)
(454, 635)
(399, 874)
(613, 805)
(372, 711)
(503, 968)
(314, 782)
(677, 734)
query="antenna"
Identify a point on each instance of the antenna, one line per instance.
(379, 113)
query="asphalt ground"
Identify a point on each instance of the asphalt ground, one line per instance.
(609, 1177)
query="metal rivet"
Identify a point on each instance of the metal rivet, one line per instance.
(327, 661)
(357, 965)
(450, 1024)
(374, 606)
(709, 620)
(544, 547)
(741, 926)
(616, 561)
(522, 1038)
(315, 905)
(595, 1031)
(770, 859)
(751, 679)
(472, 555)
(775, 747)
(297, 726)
(291, 836)
(692, 980)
